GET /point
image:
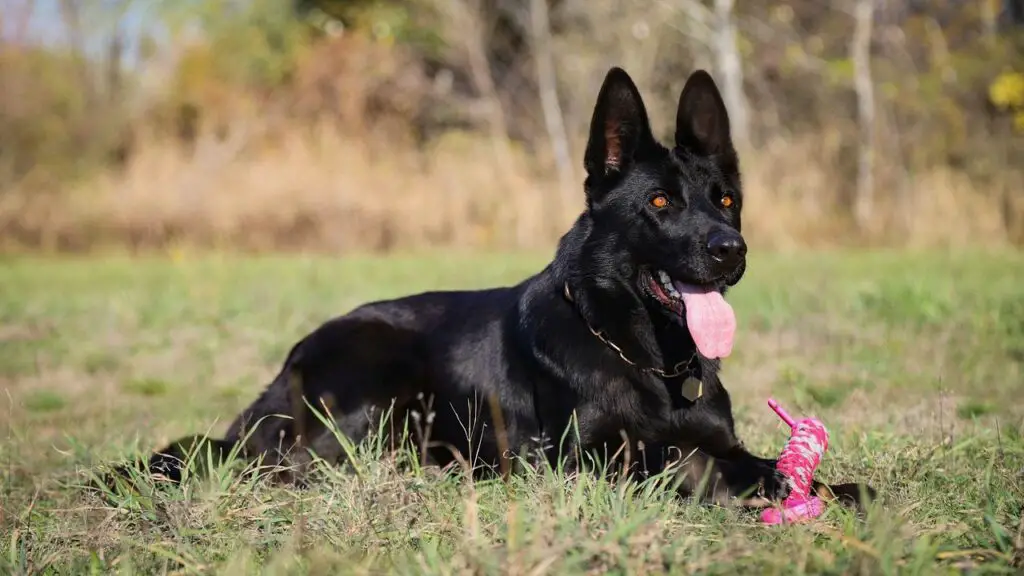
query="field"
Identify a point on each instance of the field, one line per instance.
(913, 360)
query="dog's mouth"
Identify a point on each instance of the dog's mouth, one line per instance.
(708, 317)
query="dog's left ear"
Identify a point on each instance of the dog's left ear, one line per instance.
(702, 122)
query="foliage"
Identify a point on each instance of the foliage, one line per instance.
(221, 87)
(51, 129)
(1007, 92)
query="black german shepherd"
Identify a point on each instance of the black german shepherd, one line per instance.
(618, 339)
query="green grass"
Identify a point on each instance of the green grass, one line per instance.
(912, 360)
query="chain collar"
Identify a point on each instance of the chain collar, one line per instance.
(678, 370)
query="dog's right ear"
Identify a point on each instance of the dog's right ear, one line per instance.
(702, 121)
(618, 128)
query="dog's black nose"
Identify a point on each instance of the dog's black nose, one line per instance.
(727, 249)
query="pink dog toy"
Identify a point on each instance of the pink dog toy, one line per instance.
(798, 460)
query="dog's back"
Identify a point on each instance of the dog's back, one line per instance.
(406, 355)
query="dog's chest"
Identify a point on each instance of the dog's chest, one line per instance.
(649, 407)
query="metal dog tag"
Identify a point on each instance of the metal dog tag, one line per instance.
(693, 388)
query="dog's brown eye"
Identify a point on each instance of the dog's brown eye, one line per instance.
(659, 201)
(726, 201)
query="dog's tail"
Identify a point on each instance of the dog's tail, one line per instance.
(854, 494)
(202, 453)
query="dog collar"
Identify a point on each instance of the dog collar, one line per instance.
(693, 387)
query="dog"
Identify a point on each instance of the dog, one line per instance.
(618, 339)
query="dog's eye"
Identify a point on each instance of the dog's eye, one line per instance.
(727, 201)
(659, 201)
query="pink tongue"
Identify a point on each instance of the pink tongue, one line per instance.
(710, 319)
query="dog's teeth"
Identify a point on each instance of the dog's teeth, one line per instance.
(666, 283)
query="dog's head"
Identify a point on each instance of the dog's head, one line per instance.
(675, 213)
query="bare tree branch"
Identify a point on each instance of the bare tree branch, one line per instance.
(467, 17)
(20, 16)
(700, 18)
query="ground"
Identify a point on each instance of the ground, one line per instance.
(914, 361)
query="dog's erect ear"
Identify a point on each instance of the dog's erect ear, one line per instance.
(619, 126)
(702, 122)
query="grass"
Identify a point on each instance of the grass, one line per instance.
(913, 360)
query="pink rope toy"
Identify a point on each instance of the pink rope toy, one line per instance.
(798, 461)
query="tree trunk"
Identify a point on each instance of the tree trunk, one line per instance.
(547, 83)
(863, 208)
(730, 66)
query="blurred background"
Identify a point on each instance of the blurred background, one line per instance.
(390, 125)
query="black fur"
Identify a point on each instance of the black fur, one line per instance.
(530, 348)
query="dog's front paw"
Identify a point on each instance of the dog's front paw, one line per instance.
(758, 480)
(775, 485)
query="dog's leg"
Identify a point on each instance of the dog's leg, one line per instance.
(727, 470)
(710, 429)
